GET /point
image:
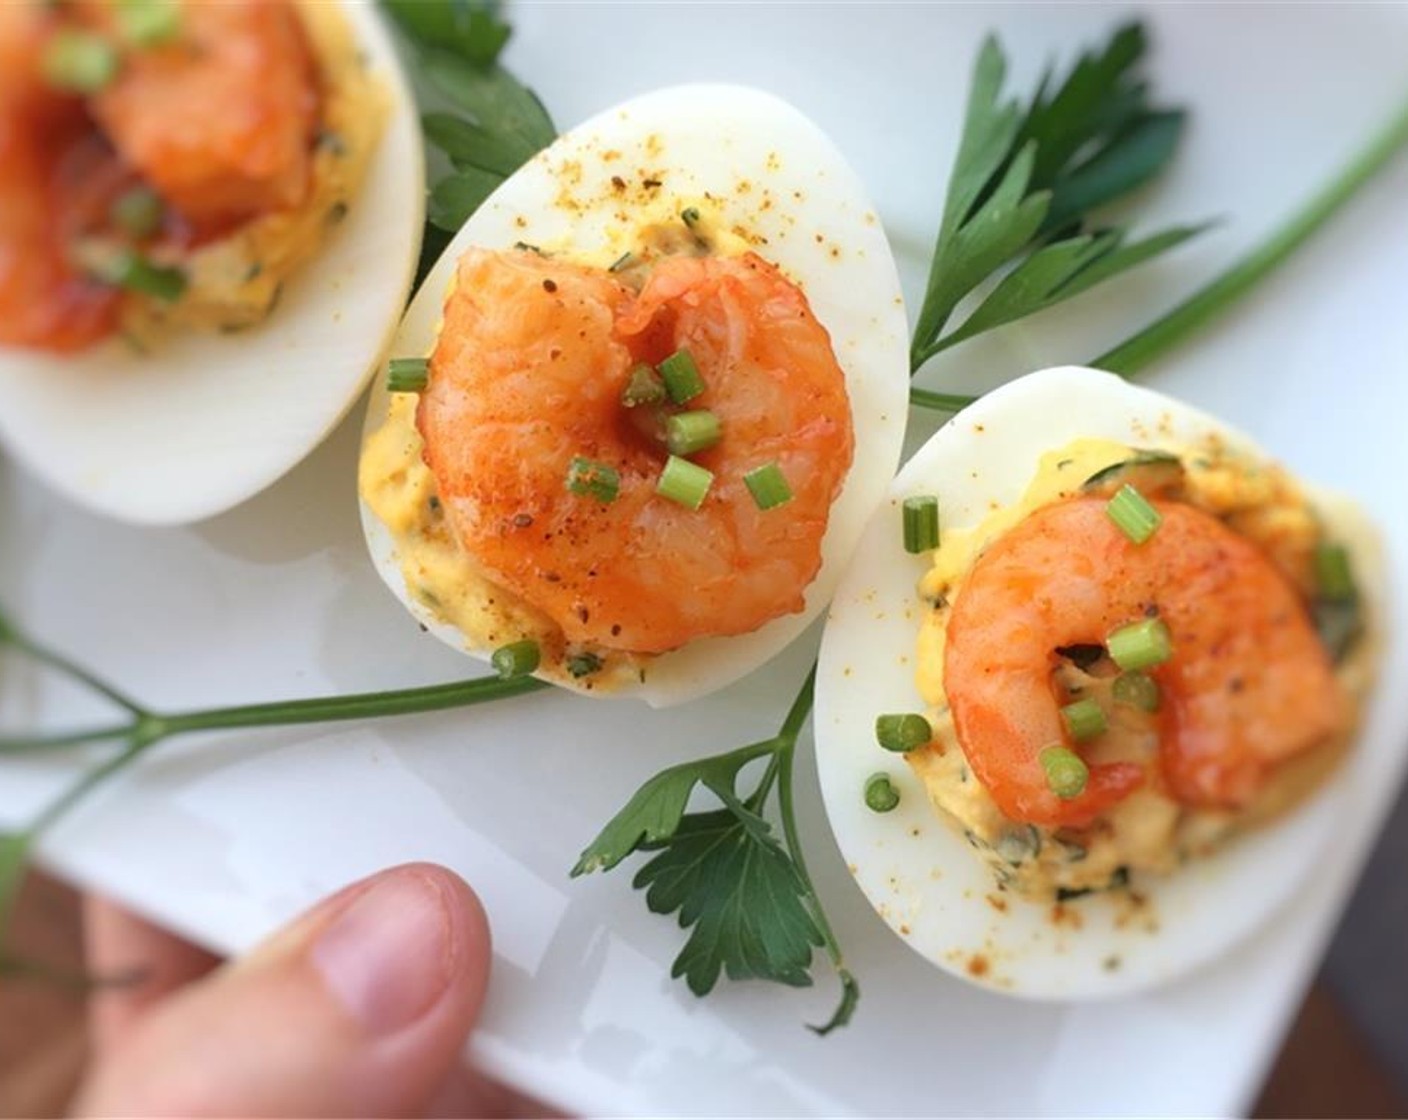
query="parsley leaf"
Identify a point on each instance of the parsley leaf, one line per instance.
(731, 881)
(653, 814)
(745, 896)
(1024, 183)
(490, 123)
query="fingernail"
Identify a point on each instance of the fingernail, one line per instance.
(389, 956)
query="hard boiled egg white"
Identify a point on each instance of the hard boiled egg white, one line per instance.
(764, 170)
(918, 871)
(207, 420)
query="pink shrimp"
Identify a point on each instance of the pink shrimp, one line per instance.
(219, 121)
(1249, 684)
(528, 374)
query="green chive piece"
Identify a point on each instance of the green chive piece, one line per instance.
(583, 664)
(902, 732)
(1141, 645)
(625, 260)
(1066, 771)
(684, 482)
(408, 375)
(768, 485)
(517, 659)
(591, 479)
(690, 216)
(689, 432)
(1137, 690)
(682, 380)
(79, 61)
(137, 212)
(921, 523)
(880, 793)
(1332, 573)
(149, 23)
(1084, 719)
(1131, 511)
(129, 269)
(643, 386)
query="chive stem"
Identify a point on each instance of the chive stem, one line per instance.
(407, 375)
(1141, 645)
(1066, 772)
(681, 375)
(590, 479)
(517, 659)
(1133, 515)
(920, 515)
(1084, 719)
(684, 482)
(881, 796)
(687, 433)
(768, 485)
(1137, 690)
(903, 732)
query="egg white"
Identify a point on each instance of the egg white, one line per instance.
(917, 870)
(820, 229)
(208, 420)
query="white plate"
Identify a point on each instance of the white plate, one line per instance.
(224, 838)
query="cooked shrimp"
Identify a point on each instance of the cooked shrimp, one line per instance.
(221, 120)
(1249, 684)
(50, 178)
(528, 374)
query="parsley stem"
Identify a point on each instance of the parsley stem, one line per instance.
(46, 656)
(335, 709)
(34, 743)
(787, 748)
(939, 402)
(1161, 336)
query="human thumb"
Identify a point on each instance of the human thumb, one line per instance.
(361, 1007)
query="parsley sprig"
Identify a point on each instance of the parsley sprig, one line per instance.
(491, 123)
(746, 897)
(1024, 186)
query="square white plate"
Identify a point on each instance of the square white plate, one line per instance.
(225, 837)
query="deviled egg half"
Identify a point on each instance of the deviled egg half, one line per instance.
(1082, 694)
(209, 221)
(642, 408)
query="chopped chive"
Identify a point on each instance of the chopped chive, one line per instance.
(149, 23)
(921, 523)
(684, 482)
(768, 485)
(79, 61)
(591, 479)
(1141, 645)
(690, 216)
(880, 793)
(902, 732)
(643, 386)
(1131, 511)
(517, 659)
(689, 432)
(129, 269)
(408, 375)
(1066, 772)
(1084, 719)
(1332, 573)
(583, 664)
(1137, 690)
(682, 380)
(137, 212)
(621, 262)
